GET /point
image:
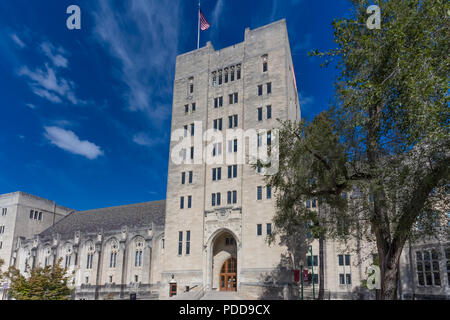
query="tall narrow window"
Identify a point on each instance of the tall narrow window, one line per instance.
(269, 229)
(190, 177)
(189, 202)
(229, 197)
(260, 90)
(183, 177)
(259, 229)
(269, 138)
(181, 202)
(260, 114)
(269, 112)
(238, 72)
(188, 242)
(193, 107)
(214, 79)
(191, 85)
(192, 129)
(180, 243)
(269, 88)
(259, 193)
(220, 77)
(265, 63)
(269, 192)
(226, 75)
(232, 74)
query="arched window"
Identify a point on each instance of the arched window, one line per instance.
(47, 253)
(68, 254)
(90, 254)
(113, 256)
(139, 245)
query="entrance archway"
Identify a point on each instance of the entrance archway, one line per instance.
(228, 275)
(224, 268)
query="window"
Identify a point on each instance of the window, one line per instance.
(235, 145)
(218, 124)
(348, 278)
(232, 121)
(214, 79)
(347, 259)
(238, 72)
(215, 199)
(259, 229)
(138, 258)
(315, 261)
(314, 203)
(90, 258)
(181, 202)
(4, 211)
(269, 88)
(259, 193)
(229, 241)
(233, 98)
(428, 271)
(231, 197)
(2, 229)
(217, 149)
(218, 102)
(67, 263)
(1, 244)
(31, 214)
(188, 242)
(220, 77)
(259, 140)
(192, 129)
(260, 90)
(269, 138)
(232, 74)
(186, 109)
(136, 278)
(308, 204)
(217, 174)
(110, 279)
(193, 107)
(189, 202)
(191, 85)
(192, 153)
(183, 177)
(113, 256)
(343, 226)
(180, 243)
(232, 172)
(190, 177)
(185, 131)
(226, 75)
(260, 114)
(265, 62)
(269, 112)
(269, 229)
(341, 278)
(341, 259)
(269, 192)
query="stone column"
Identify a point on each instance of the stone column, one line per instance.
(98, 250)
(123, 247)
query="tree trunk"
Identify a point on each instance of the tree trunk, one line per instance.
(389, 265)
(321, 269)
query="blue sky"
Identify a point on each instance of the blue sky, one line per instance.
(85, 114)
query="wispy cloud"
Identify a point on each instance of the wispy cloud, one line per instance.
(46, 84)
(306, 101)
(55, 54)
(142, 35)
(69, 141)
(18, 41)
(143, 139)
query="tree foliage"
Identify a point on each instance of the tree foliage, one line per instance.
(47, 283)
(386, 136)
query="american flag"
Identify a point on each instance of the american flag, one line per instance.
(204, 25)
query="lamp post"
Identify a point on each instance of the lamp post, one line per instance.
(301, 281)
(312, 272)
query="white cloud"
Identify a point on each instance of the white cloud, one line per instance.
(55, 55)
(146, 54)
(68, 141)
(143, 139)
(17, 41)
(46, 84)
(305, 100)
(31, 106)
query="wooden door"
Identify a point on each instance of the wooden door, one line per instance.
(228, 275)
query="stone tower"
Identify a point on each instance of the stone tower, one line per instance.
(219, 214)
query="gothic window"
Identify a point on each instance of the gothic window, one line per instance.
(191, 85)
(47, 253)
(220, 77)
(90, 255)
(265, 59)
(214, 79)
(226, 75)
(238, 72)
(113, 255)
(139, 244)
(232, 74)
(68, 255)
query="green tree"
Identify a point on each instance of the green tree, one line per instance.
(387, 133)
(48, 283)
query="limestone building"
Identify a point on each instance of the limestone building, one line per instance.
(210, 233)
(218, 214)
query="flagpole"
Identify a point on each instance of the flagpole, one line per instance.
(198, 38)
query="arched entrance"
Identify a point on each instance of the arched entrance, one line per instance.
(228, 275)
(224, 262)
